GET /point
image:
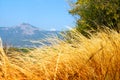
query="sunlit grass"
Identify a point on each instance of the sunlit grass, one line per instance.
(94, 58)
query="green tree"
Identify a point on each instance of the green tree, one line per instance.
(96, 13)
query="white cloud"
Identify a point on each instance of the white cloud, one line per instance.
(52, 29)
(68, 27)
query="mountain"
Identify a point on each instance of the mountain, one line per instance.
(25, 35)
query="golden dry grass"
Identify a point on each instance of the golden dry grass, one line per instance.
(97, 58)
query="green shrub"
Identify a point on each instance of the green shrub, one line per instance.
(93, 13)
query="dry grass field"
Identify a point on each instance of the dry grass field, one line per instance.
(94, 58)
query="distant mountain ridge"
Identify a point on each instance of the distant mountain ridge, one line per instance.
(26, 28)
(22, 35)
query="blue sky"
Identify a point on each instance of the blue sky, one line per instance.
(45, 14)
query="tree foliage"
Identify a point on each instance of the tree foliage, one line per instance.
(94, 13)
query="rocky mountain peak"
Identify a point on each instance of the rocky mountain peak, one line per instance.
(26, 28)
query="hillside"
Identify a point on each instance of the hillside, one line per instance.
(24, 34)
(96, 58)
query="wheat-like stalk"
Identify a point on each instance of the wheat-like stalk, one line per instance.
(93, 58)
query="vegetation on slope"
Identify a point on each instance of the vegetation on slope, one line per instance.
(96, 58)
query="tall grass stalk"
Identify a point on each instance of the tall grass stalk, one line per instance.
(80, 58)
